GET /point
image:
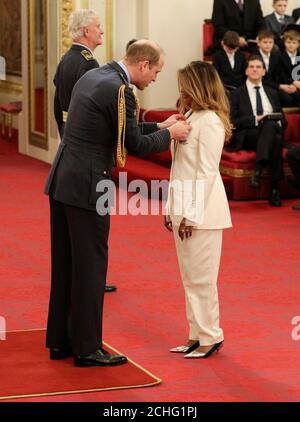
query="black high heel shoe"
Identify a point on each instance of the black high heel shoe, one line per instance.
(199, 355)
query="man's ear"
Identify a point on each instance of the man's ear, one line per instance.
(144, 65)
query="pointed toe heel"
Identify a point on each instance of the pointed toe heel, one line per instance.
(199, 355)
(185, 349)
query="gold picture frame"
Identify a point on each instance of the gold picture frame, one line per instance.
(38, 120)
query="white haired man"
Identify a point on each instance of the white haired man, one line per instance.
(86, 33)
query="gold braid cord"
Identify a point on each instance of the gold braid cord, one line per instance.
(121, 151)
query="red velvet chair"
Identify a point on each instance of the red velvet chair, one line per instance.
(8, 110)
(238, 166)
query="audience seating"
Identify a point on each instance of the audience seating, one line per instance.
(8, 110)
(236, 168)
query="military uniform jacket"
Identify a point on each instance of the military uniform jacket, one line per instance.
(86, 153)
(74, 64)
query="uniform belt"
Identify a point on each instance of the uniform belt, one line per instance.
(65, 116)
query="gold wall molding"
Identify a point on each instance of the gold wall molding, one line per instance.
(37, 139)
(66, 8)
(9, 87)
(109, 30)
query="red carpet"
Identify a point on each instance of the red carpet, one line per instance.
(259, 295)
(34, 375)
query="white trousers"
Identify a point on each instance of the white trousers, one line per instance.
(199, 261)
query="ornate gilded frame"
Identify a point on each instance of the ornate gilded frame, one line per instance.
(36, 138)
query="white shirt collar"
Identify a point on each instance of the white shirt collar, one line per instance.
(292, 56)
(250, 85)
(85, 46)
(122, 65)
(278, 17)
(267, 56)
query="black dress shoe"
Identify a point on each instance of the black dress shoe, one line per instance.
(110, 288)
(296, 207)
(255, 180)
(274, 199)
(58, 354)
(99, 358)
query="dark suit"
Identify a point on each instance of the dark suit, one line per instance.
(266, 138)
(293, 158)
(79, 235)
(227, 16)
(276, 27)
(285, 77)
(271, 77)
(74, 64)
(230, 76)
(296, 14)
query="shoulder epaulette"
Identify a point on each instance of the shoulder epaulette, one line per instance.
(87, 55)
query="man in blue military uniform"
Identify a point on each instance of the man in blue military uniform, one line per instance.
(102, 122)
(86, 32)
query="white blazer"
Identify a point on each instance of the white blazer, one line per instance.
(196, 190)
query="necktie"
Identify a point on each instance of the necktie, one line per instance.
(259, 104)
(281, 20)
(240, 4)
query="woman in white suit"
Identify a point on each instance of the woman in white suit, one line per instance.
(197, 209)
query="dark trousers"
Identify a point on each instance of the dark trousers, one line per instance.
(293, 158)
(289, 100)
(79, 251)
(267, 141)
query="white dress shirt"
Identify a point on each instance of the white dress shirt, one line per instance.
(280, 18)
(267, 106)
(231, 58)
(293, 57)
(266, 58)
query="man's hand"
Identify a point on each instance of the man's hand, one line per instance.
(242, 42)
(260, 118)
(180, 130)
(289, 89)
(297, 84)
(168, 223)
(171, 121)
(185, 231)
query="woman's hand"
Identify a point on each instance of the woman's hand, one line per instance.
(185, 231)
(171, 121)
(168, 223)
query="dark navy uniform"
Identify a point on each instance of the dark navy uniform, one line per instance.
(74, 64)
(79, 234)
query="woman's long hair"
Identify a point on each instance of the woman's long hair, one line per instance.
(201, 89)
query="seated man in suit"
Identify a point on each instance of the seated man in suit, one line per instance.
(293, 158)
(230, 62)
(278, 20)
(288, 65)
(296, 15)
(271, 58)
(250, 106)
(242, 16)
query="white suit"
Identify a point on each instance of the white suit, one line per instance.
(197, 193)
